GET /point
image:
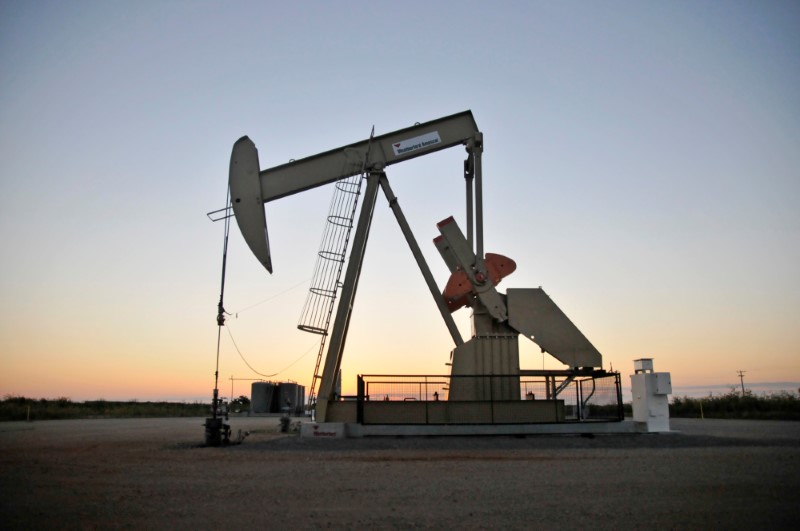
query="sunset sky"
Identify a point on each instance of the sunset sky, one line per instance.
(641, 164)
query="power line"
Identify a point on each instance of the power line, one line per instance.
(304, 354)
(271, 297)
(741, 379)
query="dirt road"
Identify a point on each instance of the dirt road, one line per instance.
(149, 473)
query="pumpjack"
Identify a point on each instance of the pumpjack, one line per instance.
(497, 318)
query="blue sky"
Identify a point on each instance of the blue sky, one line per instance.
(641, 165)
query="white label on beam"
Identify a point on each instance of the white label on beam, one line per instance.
(416, 143)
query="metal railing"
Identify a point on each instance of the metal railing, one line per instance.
(425, 399)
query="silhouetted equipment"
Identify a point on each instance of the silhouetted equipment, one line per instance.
(270, 397)
(261, 396)
(497, 318)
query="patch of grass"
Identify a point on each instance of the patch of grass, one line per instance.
(22, 408)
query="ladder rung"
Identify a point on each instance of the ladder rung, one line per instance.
(331, 255)
(331, 293)
(313, 329)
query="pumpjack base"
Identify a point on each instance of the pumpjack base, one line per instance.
(341, 430)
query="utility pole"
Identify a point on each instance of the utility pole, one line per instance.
(741, 379)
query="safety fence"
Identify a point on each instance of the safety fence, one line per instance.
(489, 399)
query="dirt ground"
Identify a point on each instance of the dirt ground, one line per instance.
(153, 473)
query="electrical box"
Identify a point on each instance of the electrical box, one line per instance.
(663, 383)
(651, 392)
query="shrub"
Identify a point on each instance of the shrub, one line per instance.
(782, 405)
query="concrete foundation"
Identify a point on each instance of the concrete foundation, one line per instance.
(353, 430)
(323, 430)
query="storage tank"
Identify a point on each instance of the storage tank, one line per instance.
(301, 400)
(261, 397)
(291, 395)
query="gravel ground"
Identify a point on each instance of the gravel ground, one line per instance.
(153, 473)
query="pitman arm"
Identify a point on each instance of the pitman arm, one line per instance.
(530, 312)
(469, 277)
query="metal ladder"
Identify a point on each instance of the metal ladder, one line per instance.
(325, 283)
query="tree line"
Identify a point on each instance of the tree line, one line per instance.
(22, 408)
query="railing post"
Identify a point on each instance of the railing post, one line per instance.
(360, 400)
(491, 394)
(427, 420)
(554, 397)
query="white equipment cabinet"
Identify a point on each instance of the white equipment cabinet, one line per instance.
(651, 392)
